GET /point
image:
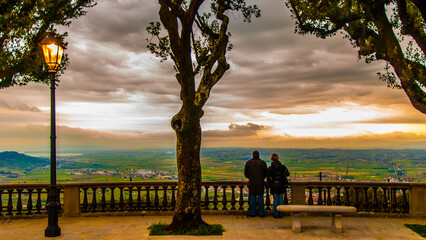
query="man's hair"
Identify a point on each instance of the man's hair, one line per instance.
(275, 157)
(256, 155)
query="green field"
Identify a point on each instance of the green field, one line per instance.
(228, 164)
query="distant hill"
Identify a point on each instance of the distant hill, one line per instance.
(15, 160)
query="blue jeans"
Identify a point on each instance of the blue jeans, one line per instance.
(253, 205)
(278, 200)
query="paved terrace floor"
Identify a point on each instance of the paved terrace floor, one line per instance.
(237, 227)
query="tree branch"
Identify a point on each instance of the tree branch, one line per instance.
(411, 25)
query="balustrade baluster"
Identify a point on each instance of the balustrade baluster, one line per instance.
(103, 200)
(85, 202)
(165, 198)
(405, 205)
(156, 202)
(233, 198)
(310, 198)
(94, 202)
(148, 199)
(285, 196)
(122, 208)
(224, 200)
(139, 200)
(374, 204)
(356, 202)
(393, 202)
(365, 199)
(1, 203)
(112, 200)
(268, 199)
(173, 201)
(29, 202)
(241, 200)
(347, 200)
(215, 201)
(130, 205)
(320, 196)
(206, 198)
(10, 204)
(38, 205)
(19, 204)
(385, 202)
(338, 202)
(328, 195)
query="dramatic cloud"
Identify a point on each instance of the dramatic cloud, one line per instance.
(235, 130)
(19, 106)
(283, 90)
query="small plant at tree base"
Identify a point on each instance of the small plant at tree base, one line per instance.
(418, 228)
(160, 229)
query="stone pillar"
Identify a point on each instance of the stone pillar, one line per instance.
(71, 201)
(417, 199)
(297, 193)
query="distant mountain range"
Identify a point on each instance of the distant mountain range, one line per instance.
(15, 160)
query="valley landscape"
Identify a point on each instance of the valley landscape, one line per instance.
(217, 164)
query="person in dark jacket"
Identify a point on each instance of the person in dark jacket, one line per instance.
(256, 171)
(277, 180)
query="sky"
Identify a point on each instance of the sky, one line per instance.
(283, 90)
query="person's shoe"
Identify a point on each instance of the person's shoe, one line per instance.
(262, 216)
(276, 217)
(249, 215)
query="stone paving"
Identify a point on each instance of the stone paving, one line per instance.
(237, 227)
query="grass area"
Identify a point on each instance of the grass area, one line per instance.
(418, 228)
(213, 229)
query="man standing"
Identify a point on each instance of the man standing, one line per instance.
(256, 171)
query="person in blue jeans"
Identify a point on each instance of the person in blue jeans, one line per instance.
(277, 180)
(256, 171)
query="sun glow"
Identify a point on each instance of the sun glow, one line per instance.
(331, 122)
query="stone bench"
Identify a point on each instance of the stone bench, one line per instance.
(336, 211)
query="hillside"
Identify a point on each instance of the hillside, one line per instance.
(15, 160)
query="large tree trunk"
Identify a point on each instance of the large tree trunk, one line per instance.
(188, 133)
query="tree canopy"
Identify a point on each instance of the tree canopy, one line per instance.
(23, 24)
(389, 30)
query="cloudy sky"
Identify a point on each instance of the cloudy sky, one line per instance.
(283, 90)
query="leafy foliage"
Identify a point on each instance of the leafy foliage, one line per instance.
(389, 30)
(418, 228)
(23, 24)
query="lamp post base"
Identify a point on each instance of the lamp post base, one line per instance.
(52, 231)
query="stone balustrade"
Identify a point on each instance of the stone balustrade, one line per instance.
(217, 196)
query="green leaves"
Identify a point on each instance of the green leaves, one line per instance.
(162, 48)
(23, 24)
(388, 30)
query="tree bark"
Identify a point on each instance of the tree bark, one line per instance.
(187, 127)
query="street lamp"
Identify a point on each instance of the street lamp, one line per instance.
(52, 51)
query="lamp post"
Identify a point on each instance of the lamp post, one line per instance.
(52, 51)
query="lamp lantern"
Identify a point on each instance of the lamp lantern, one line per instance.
(52, 51)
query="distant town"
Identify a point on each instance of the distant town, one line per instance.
(133, 173)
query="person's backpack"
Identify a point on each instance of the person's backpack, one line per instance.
(279, 176)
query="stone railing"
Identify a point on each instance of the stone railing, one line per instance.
(217, 196)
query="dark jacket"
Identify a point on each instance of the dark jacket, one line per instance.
(277, 177)
(256, 171)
